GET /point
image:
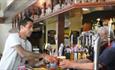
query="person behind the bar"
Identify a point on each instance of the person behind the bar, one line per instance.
(18, 49)
(106, 58)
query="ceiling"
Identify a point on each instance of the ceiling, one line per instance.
(3, 5)
(9, 8)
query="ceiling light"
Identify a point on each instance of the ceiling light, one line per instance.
(9, 2)
(41, 23)
(85, 9)
(98, 19)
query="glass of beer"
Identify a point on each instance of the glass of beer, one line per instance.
(60, 58)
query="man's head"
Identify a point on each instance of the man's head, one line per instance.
(26, 26)
(87, 25)
(104, 32)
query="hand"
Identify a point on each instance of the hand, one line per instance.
(50, 58)
(66, 64)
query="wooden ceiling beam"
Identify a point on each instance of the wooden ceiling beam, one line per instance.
(2, 19)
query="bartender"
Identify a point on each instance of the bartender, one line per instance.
(18, 49)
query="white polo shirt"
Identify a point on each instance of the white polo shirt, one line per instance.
(11, 59)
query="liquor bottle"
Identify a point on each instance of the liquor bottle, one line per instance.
(44, 8)
(61, 2)
(67, 52)
(72, 55)
(61, 47)
(38, 11)
(75, 52)
(79, 52)
(52, 5)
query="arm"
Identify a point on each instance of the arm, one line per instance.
(76, 65)
(27, 54)
(83, 61)
(84, 66)
(32, 56)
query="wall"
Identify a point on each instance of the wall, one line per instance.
(2, 7)
(51, 25)
(4, 28)
(75, 18)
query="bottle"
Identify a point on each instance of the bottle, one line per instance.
(67, 52)
(79, 46)
(61, 47)
(75, 53)
(52, 5)
(44, 8)
(53, 66)
(75, 56)
(71, 55)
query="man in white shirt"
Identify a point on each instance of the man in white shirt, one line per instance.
(18, 49)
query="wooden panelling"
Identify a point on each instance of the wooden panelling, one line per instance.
(61, 22)
(2, 19)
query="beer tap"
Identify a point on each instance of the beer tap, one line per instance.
(110, 27)
(96, 42)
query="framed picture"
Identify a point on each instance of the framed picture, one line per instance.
(51, 36)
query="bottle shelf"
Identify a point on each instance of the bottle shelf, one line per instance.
(73, 6)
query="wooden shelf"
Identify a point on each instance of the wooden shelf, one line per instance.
(2, 19)
(67, 8)
(97, 4)
(73, 6)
